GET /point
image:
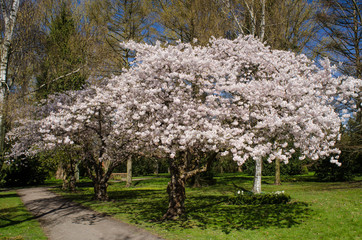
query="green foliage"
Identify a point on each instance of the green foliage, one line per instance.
(256, 199)
(62, 57)
(330, 172)
(350, 157)
(15, 221)
(24, 172)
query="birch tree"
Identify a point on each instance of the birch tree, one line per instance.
(9, 10)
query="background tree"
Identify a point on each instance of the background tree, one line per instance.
(63, 58)
(121, 21)
(9, 10)
(191, 19)
(341, 42)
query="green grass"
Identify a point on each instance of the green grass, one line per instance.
(15, 221)
(318, 210)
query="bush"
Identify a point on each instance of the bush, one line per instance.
(248, 198)
(23, 172)
(330, 172)
(350, 157)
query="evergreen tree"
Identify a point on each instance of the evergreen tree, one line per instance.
(63, 60)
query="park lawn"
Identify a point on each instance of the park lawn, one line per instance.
(318, 210)
(15, 220)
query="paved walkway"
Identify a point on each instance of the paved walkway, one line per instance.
(64, 220)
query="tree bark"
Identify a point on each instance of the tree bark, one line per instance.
(176, 192)
(277, 172)
(257, 177)
(100, 191)
(9, 17)
(68, 176)
(129, 172)
(262, 24)
(197, 181)
(99, 176)
(156, 165)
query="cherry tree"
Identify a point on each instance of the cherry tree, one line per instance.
(27, 140)
(84, 122)
(89, 123)
(282, 102)
(238, 97)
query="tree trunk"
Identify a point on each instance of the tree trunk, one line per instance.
(9, 16)
(100, 191)
(277, 172)
(99, 178)
(68, 176)
(262, 24)
(60, 172)
(176, 193)
(129, 172)
(257, 177)
(69, 183)
(156, 165)
(197, 180)
(76, 172)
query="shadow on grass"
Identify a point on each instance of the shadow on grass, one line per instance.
(235, 217)
(9, 195)
(143, 206)
(13, 216)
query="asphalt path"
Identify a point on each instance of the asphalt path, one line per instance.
(62, 219)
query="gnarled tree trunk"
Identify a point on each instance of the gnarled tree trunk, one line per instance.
(176, 191)
(100, 190)
(181, 169)
(99, 176)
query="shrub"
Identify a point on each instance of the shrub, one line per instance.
(330, 172)
(249, 198)
(23, 172)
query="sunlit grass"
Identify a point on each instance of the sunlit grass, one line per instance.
(15, 221)
(317, 210)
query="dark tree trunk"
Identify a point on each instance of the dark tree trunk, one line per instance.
(181, 169)
(176, 193)
(100, 191)
(69, 183)
(99, 178)
(68, 175)
(197, 180)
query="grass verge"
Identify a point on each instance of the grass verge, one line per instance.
(15, 220)
(317, 211)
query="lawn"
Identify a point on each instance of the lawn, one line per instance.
(15, 221)
(317, 211)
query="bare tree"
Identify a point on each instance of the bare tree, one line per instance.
(341, 23)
